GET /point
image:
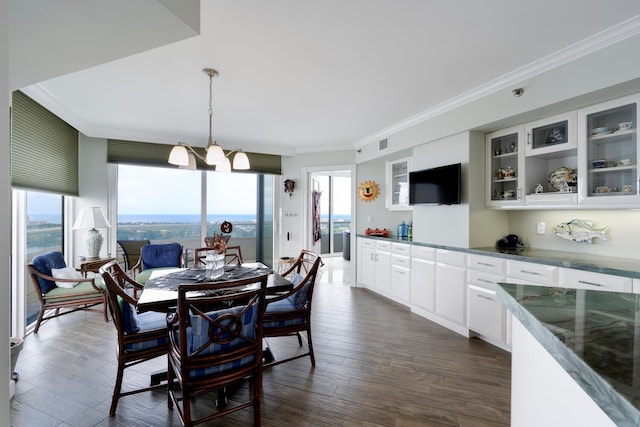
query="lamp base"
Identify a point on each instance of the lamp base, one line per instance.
(93, 240)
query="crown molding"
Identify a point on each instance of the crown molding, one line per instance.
(594, 43)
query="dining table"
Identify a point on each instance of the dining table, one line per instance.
(160, 291)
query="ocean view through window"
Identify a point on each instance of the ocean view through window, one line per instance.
(164, 205)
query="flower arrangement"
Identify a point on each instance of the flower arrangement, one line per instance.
(219, 244)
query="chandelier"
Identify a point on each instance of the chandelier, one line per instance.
(185, 155)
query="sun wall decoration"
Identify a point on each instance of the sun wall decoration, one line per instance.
(368, 191)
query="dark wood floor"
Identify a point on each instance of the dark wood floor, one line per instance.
(377, 365)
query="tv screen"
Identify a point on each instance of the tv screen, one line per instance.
(440, 186)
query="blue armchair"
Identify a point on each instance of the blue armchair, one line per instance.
(63, 289)
(157, 256)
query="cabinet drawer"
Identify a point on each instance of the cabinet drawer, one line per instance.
(485, 280)
(423, 252)
(581, 279)
(452, 257)
(401, 261)
(538, 273)
(367, 243)
(486, 314)
(487, 263)
(401, 249)
(383, 246)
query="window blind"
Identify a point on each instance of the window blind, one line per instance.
(151, 154)
(44, 149)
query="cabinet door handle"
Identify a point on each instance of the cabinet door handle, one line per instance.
(584, 282)
(533, 273)
(528, 138)
(486, 281)
(485, 297)
(518, 193)
(486, 264)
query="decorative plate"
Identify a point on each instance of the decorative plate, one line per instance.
(368, 191)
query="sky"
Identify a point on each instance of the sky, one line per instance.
(177, 191)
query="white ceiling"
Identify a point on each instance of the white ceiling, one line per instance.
(295, 76)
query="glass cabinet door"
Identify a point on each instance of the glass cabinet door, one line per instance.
(504, 185)
(397, 194)
(610, 153)
(551, 135)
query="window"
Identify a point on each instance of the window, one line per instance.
(44, 232)
(165, 205)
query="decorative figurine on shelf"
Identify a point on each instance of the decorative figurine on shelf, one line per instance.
(539, 189)
(513, 147)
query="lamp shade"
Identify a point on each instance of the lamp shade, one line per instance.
(91, 218)
(241, 161)
(179, 156)
(215, 155)
(225, 166)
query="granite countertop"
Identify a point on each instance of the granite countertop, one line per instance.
(593, 335)
(626, 267)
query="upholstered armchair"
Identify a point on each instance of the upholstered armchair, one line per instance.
(62, 289)
(157, 256)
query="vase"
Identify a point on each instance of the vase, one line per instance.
(214, 265)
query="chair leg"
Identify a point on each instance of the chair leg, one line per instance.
(299, 338)
(116, 389)
(105, 303)
(40, 317)
(310, 344)
(256, 397)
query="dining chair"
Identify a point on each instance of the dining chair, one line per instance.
(215, 340)
(290, 313)
(131, 251)
(157, 256)
(141, 336)
(63, 289)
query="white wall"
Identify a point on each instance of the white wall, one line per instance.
(5, 212)
(293, 168)
(624, 231)
(94, 188)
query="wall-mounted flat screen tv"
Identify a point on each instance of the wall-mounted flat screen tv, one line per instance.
(436, 186)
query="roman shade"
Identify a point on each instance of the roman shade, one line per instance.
(44, 149)
(152, 154)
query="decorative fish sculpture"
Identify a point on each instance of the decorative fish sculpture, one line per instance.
(580, 230)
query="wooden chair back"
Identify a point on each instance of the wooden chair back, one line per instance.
(216, 341)
(131, 251)
(290, 313)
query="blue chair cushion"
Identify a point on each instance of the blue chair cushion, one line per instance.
(130, 318)
(161, 255)
(198, 336)
(149, 321)
(44, 263)
(282, 306)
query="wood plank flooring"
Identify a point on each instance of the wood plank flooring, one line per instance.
(377, 365)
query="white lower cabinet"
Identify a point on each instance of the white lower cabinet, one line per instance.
(375, 260)
(382, 268)
(486, 315)
(400, 273)
(451, 286)
(423, 279)
(579, 279)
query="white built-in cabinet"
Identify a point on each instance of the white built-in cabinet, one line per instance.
(608, 154)
(485, 313)
(396, 195)
(400, 273)
(451, 285)
(598, 143)
(457, 289)
(423, 279)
